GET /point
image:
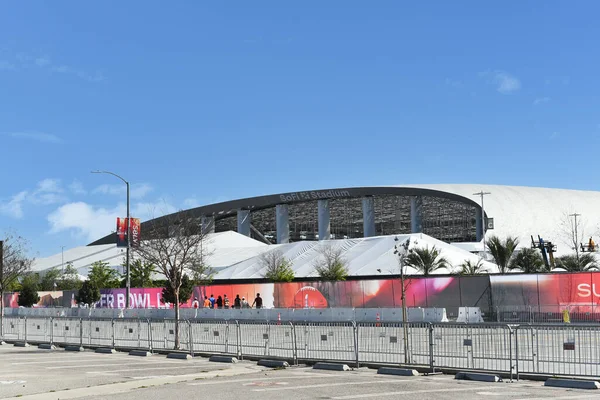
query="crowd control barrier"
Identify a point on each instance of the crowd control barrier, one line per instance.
(565, 350)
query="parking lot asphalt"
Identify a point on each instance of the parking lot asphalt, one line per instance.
(30, 373)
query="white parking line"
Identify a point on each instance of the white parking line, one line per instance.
(579, 396)
(321, 385)
(115, 371)
(52, 361)
(407, 392)
(106, 365)
(281, 378)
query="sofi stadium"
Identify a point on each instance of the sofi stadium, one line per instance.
(365, 221)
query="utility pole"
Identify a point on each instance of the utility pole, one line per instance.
(483, 222)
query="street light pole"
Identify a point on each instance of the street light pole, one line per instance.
(482, 193)
(127, 279)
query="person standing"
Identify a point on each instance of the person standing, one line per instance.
(212, 301)
(207, 302)
(195, 303)
(245, 303)
(225, 301)
(257, 301)
(237, 302)
(219, 302)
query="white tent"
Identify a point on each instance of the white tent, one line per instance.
(223, 249)
(365, 257)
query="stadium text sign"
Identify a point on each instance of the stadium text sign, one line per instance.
(315, 195)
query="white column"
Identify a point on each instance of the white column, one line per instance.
(416, 214)
(282, 221)
(368, 206)
(243, 222)
(324, 220)
(208, 224)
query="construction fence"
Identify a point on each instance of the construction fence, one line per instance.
(569, 350)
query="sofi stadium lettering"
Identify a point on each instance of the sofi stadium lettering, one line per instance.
(314, 195)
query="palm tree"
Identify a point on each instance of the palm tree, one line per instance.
(528, 260)
(426, 260)
(502, 251)
(469, 267)
(571, 263)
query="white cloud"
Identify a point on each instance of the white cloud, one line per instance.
(191, 203)
(541, 100)
(84, 220)
(24, 61)
(49, 186)
(505, 82)
(77, 187)
(7, 66)
(48, 191)
(14, 207)
(148, 210)
(37, 136)
(454, 83)
(65, 69)
(137, 191)
(42, 61)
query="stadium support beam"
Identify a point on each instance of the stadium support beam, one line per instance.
(208, 224)
(416, 214)
(479, 225)
(243, 222)
(368, 206)
(324, 220)
(283, 223)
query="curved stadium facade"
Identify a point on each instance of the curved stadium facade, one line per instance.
(365, 223)
(343, 213)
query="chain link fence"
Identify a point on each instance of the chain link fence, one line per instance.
(551, 349)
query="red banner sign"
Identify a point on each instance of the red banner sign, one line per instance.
(134, 229)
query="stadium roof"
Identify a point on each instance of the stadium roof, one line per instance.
(524, 211)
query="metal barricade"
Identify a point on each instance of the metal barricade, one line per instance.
(272, 339)
(132, 333)
(14, 328)
(98, 332)
(384, 342)
(67, 331)
(559, 350)
(334, 341)
(478, 347)
(38, 329)
(215, 337)
(163, 334)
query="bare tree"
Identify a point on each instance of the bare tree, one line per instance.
(573, 228)
(277, 268)
(175, 245)
(14, 263)
(331, 265)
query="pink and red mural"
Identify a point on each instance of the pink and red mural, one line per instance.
(451, 292)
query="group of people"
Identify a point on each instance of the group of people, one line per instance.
(223, 302)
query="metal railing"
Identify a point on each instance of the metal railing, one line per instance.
(548, 314)
(569, 350)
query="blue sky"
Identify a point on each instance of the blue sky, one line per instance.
(197, 102)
